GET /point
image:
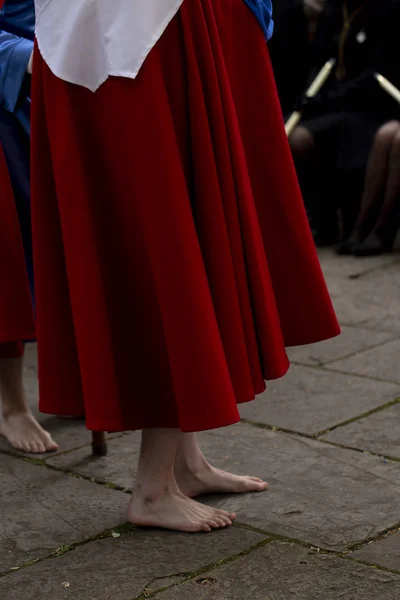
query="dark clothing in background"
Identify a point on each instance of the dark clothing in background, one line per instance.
(348, 112)
(290, 51)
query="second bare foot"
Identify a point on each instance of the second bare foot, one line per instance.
(205, 479)
(24, 433)
(172, 510)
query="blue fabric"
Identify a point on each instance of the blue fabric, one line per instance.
(17, 25)
(262, 9)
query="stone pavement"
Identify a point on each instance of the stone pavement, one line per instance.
(327, 437)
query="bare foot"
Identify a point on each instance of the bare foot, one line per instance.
(173, 510)
(206, 479)
(24, 433)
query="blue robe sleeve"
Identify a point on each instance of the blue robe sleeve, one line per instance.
(15, 53)
(262, 10)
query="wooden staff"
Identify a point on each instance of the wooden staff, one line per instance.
(388, 87)
(312, 91)
(99, 443)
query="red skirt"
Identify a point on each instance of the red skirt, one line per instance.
(16, 314)
(173, 256)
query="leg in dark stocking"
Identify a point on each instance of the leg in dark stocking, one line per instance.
(376, 174)
(156, 499)
(195, 476)
(313, 165)
(382, 237)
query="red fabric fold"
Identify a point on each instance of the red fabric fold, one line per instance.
(16, 314)
(172, 251)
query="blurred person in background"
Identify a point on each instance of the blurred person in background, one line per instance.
(332, 144)
(378, 222)
(290, 47)
(17, 424)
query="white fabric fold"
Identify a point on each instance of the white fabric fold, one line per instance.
(85, 41)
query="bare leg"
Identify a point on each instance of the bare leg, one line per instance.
(18, 425)
(157, 500)
(195, 476)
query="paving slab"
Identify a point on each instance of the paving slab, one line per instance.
(385, 553)
(351, 341)
(349, 266)
(381, 363)
(41, 510)
(282, 571)
(379, 433)
(320, 494)
(310, 400)
(120, 569)
(118, 467)
(371, 301)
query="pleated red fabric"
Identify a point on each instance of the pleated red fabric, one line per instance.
(16, 314)
(173, 256)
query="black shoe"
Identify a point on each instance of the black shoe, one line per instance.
(345, 248)
(374, 245)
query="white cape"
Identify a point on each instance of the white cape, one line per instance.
(86, 41)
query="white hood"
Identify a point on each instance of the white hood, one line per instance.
(86, 41)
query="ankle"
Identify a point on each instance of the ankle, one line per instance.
(149, 492)
(193, 466)
(11, 409)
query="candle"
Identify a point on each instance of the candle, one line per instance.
(312, 91)
(388, 87)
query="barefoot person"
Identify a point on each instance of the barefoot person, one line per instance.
(17, 424)
(172, 250)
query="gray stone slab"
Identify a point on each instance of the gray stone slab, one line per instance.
(118, 467)
(283, 572)
(385, 553)
(120, 569)
(371, 301)
(349, 266)
(310, 400)
(378, 433)
(382, 362)
(318, 493)
(321, 494)
(41, 510)
(351, 341)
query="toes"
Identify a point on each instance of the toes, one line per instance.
(214, 524)
(229, 515)
(261, 483)
(40, 448)
(221, 522)
(24, 447)
(52, 446)
(263, 486)
(224, 517)
(34, 448)
(49, 444)
(205, 527)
